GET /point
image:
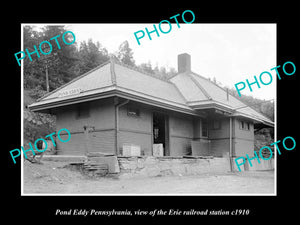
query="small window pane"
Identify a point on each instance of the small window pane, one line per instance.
(204, 129)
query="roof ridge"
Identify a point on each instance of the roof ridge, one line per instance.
(177, 89)
(201, 88)
(112, 72)
(142, 71)
(244, 104)
(222, 88)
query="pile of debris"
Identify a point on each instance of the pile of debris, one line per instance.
(94, 169)
(97, 164)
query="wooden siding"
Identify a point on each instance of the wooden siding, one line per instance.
(243, 139)
(140, 123)
(99, 141)
(219, 138)
(219, 147)
(136, 138)
(222, 132)
(181, 131)
(243, 147)
(101, 116)
(180, 146)
(136, 129)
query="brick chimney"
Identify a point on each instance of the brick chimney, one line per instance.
(184, 63)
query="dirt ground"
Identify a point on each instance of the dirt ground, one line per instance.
(52, 177)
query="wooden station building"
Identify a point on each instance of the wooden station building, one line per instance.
(119, 106)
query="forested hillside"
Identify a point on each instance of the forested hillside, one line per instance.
(64, 64)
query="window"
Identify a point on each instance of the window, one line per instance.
(248, 126)
(133, 111)
(244, 125)
(217, 124)
(204, 129)
(241, 125)
(83, 111)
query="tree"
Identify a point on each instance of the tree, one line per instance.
(32, 70)
(125, 54)
(147, 67)
(158, 72)
(91, 55)
(261, 106)
(60, 63)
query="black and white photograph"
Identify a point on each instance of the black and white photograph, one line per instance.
(158, 117)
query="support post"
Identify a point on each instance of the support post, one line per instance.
(47, 79)
(230, 143)
(117, 106)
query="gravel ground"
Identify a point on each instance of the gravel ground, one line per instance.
(51, 177)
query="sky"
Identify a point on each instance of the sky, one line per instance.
(231, 53)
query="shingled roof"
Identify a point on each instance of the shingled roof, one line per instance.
(185, 92)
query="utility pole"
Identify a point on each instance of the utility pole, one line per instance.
(47, 78)
(48, 63)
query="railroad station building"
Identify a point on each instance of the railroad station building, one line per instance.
(115, 105)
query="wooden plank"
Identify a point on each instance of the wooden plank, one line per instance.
(111, 161)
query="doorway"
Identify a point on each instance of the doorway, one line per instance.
(161, 131)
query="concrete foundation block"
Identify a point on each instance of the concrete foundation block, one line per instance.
(235, 167)
(263, 165)
(219, 165)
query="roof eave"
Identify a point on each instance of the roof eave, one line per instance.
(259, 120)
(40, 106)
(208, 104)
(217, 105)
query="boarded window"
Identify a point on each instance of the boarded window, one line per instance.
(248, 126)
(83, 111)
(244, 125)
(217, 124)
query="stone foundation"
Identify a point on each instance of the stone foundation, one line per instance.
(161, 166)
(150, 166)
(263, 165)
